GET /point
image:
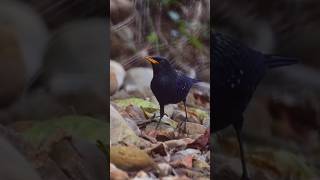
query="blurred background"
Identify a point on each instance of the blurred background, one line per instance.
(282, 120)
(179, 31)
(53, 74)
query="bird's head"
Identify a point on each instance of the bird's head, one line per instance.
(159, 64)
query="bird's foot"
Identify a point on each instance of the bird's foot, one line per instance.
(154, 116)
(180, 129)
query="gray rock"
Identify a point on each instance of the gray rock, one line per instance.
(117, 75)
(133, 125)
(119, 129)
(139, 79)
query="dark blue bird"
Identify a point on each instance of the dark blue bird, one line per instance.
(236, 72)
(168, 85)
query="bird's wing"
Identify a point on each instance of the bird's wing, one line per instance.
(184, 84)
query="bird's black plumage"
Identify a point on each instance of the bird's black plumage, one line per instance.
(236, 72)
(168, 85)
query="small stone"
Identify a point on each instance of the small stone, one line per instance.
(117, 75)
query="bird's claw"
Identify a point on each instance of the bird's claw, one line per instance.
(180, 130)
(154, 116)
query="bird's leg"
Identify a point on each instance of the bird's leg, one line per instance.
(245, 175)
(161, 115)
(185, 120)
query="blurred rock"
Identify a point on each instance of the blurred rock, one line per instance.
(258, 120)
(139, 79)
(31, 35)
(122, 45)
(17, 167)
(241, 21)
(297, 79)
(120, 10)
(296, 116)
(27, 107)
(117, 75)
(56, 14)
(76, 65)
(226, 168)
(12, 66)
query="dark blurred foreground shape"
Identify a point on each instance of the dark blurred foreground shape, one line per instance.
(53, 74)
(282, 127)
(237, 71)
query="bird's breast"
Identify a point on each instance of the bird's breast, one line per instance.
(164, 89)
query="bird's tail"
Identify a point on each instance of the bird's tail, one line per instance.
(278, 61)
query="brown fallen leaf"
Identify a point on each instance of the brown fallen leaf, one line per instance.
(185, 161)
(195, 128)
(201, 142)
(160, 149)
(178, 143)
(161, 134)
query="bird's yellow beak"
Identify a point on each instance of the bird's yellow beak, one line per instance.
(151, 60)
